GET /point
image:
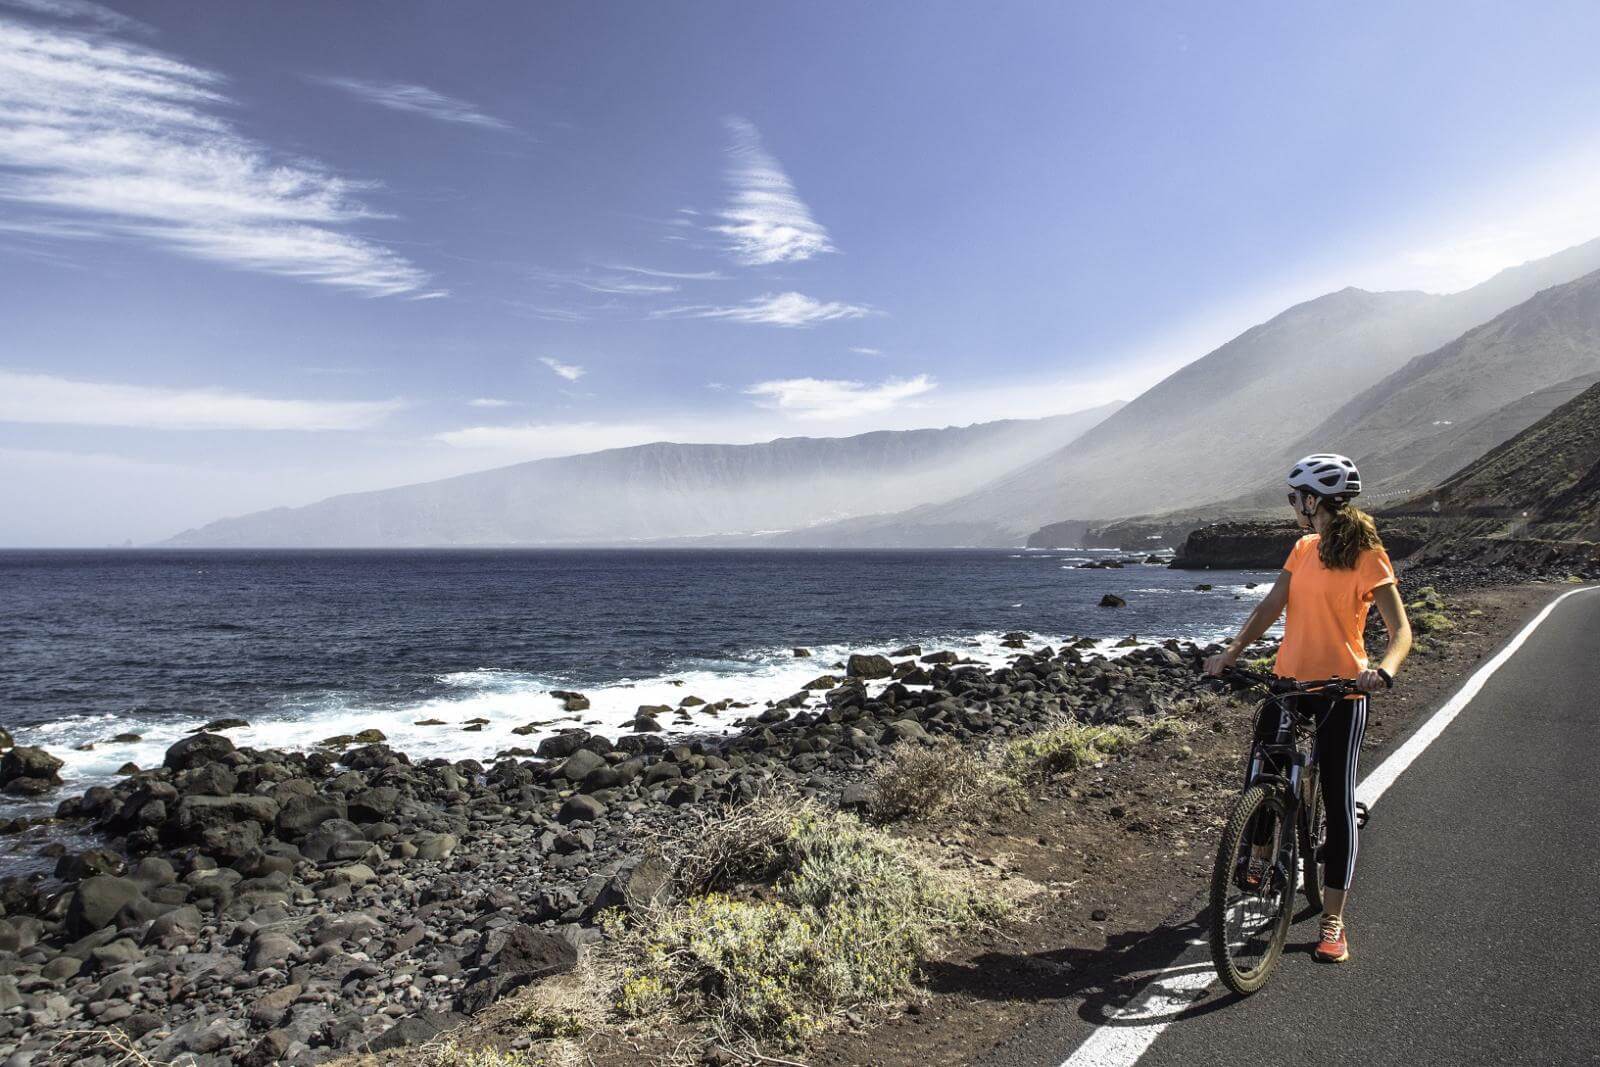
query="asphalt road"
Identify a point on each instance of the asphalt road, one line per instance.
(1474, 919)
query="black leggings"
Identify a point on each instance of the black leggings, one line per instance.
(1341, 723)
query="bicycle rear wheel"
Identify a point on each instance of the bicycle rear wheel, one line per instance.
(1250, 923)
(1313, 835)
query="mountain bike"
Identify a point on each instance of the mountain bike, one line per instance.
(1273, 840)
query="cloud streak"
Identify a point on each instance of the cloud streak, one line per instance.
(794, 310)
(43, 398)
(417, 100)
(765, 221)
(823, 399)
(571, 372)
(108, 139)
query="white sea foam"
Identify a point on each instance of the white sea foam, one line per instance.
(503, 700)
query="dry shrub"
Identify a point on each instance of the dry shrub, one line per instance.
(801, 913)
(923, 782)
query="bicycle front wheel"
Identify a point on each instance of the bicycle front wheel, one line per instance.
(1252, 889)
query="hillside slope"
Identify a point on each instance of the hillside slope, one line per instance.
(1544, 482)
(1226, 419)
(662, 491)
(1406, 428)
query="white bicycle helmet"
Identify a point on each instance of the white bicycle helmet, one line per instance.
(1326, 474)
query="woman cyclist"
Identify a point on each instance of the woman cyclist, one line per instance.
(1333, 575)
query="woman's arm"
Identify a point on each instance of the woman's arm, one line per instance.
(1393, 610)
(1259, 622)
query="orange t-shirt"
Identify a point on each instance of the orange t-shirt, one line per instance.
(1327, 613)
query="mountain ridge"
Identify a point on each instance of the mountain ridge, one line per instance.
(657, 491)
(1225, 442)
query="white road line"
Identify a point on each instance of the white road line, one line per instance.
(1125, 1040)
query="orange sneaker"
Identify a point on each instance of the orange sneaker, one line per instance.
(1333, 947)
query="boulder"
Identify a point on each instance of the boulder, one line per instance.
(416, 1029)
(571, 701)
(434, 846)
(904, 730)
(196, 814)
(580, 808)
(371, 757)
(1112, 600)
(299, 815)
(198, 749)
(270, 948)
(375, 804)
(562, 745)
(209, 779)
(865, 666)
(30, 787)
(322, 842)
(220, 724)
(579, 765)
(96, 901)
(511, 957)
(29, 762)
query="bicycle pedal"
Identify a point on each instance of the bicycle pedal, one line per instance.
(1362, 814)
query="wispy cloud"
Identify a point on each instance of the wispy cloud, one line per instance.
(549, 313)
(611, 281)
(773, 309)
(686, 276)
(43, 398)
(112, 139)
(862, 351)
(489, 402)
(418, 100)
(824, 399)
(571, 372)
(83, 10)
(765, 221)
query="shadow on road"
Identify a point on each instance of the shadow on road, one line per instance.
(1109, 980)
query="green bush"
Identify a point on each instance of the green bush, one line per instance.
(1430, 622)
(1063, 749)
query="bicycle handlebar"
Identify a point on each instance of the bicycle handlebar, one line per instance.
(1322, 686)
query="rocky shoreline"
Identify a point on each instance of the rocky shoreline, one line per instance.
(260, 906)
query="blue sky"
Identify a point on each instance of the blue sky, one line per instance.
(254, 254)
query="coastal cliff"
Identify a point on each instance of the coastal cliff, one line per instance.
(1265, 545)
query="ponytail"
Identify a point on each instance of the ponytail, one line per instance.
(1350, 532)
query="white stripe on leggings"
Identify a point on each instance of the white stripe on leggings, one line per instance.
(1358, 728)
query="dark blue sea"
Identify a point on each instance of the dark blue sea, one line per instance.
(309, 644)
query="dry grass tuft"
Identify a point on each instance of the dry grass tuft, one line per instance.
(115, 1046)
(923, 782)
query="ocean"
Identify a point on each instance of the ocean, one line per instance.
(307, 645)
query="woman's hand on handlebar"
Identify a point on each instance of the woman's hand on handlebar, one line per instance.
(1370, 681)
(1221, 663)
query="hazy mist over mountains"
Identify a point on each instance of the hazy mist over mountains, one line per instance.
(1226, 425)
(663, 491)
(1409, 383)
